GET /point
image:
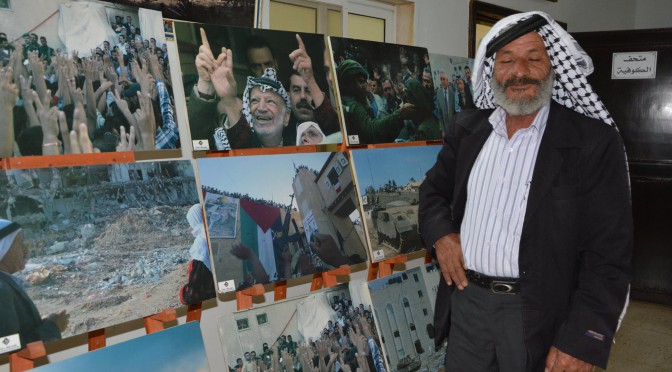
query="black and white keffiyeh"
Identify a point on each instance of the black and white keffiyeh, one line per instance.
(569, 61)
(268, 81)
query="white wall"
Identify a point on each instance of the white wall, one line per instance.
(442, 25)
(653, 14)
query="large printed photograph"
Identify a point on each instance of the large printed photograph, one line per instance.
(102, 245)
(386, 92)
(297, 216)
(388, 181)
(252, 88)
(452, 79)
(224, 12)
(84, 76)
(403, 305)
(327, 330)
(175, 349)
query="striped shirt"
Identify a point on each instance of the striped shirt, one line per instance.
(497, 192)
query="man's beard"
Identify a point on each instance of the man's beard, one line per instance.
(523, 107)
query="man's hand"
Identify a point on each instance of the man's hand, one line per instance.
(146, 123)
(222, 76)
(301, 61)
(557, 361)
(205, 65)
(449, 254)
(80, 143)
(126, 141)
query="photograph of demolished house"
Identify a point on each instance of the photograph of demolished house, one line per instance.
(102, 64)
(326, 329)
(284, 68)
(397, 102)
(388, 181)
(452, 80)
(175, 349)
(106, 243)
(403, 305)
(224, 12)
(298, 215)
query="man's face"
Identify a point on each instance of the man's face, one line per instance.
(426, 79)
(269, 114)
(33, 38)
(128, 19)
(300, 97)
(106, 45)
(521, 66)
(260, 59)
(467, 73)
(43, 41)
(460, 85)
(265, 347)
(444, 80)
(289, 338)
(248, 357)
(388, 90)
(138, 44)
(122, 39)
(360, 87)
(373, 86)
(239, 362)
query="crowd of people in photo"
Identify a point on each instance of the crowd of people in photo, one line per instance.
(237, 195)
(384, 93)
(118, 98)
(348, 343)
(390, 98)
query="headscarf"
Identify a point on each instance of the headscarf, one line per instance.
(569, 61)
(303, 127)
(199, 249)
(8, 231)
(268, 81)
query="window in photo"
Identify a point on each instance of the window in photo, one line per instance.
(262, 319)
(243, 324)
(5, 4)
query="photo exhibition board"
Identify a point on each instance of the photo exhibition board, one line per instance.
(266, 89)
(99, 61)
(385, 90)
(231, 12)
(452, 79)
(329, 328)
(278, 217)
(175, 349)
(105, 243)
(403, 305)
(388, 183)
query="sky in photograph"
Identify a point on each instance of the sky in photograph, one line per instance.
(175, 349)
(266, 177)
(377, 166)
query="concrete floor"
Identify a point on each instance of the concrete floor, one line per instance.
(644, 341)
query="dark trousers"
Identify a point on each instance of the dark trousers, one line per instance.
(486, 332)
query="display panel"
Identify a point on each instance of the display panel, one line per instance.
(388, 183)
(230, 13)
(95, 71)
(176, 349)
(331, 328)
(385, 90)
(452, 79)
(297, 216)
(403, 305)
(252, 88)
(106, 243)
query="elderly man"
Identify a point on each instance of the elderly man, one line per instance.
(527, 210)
(445, 102)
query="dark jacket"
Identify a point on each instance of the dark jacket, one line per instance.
(576, 242)
(19, 315)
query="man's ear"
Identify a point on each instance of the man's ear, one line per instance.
(287, 114)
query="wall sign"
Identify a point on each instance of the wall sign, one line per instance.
(636, 65)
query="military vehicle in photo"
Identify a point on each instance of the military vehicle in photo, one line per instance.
(397, 225)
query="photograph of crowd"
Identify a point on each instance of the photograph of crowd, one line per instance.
(388, 180)
(270, 240)
(225, 12)
(82, 77)
(175, 349)
(386, 92)
(97, 246)
(328, 330)
(452, 79)
(252, 88)
(403, 305)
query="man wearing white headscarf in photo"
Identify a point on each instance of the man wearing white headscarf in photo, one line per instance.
(18, 314)
(200, 283)
(527, 210)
